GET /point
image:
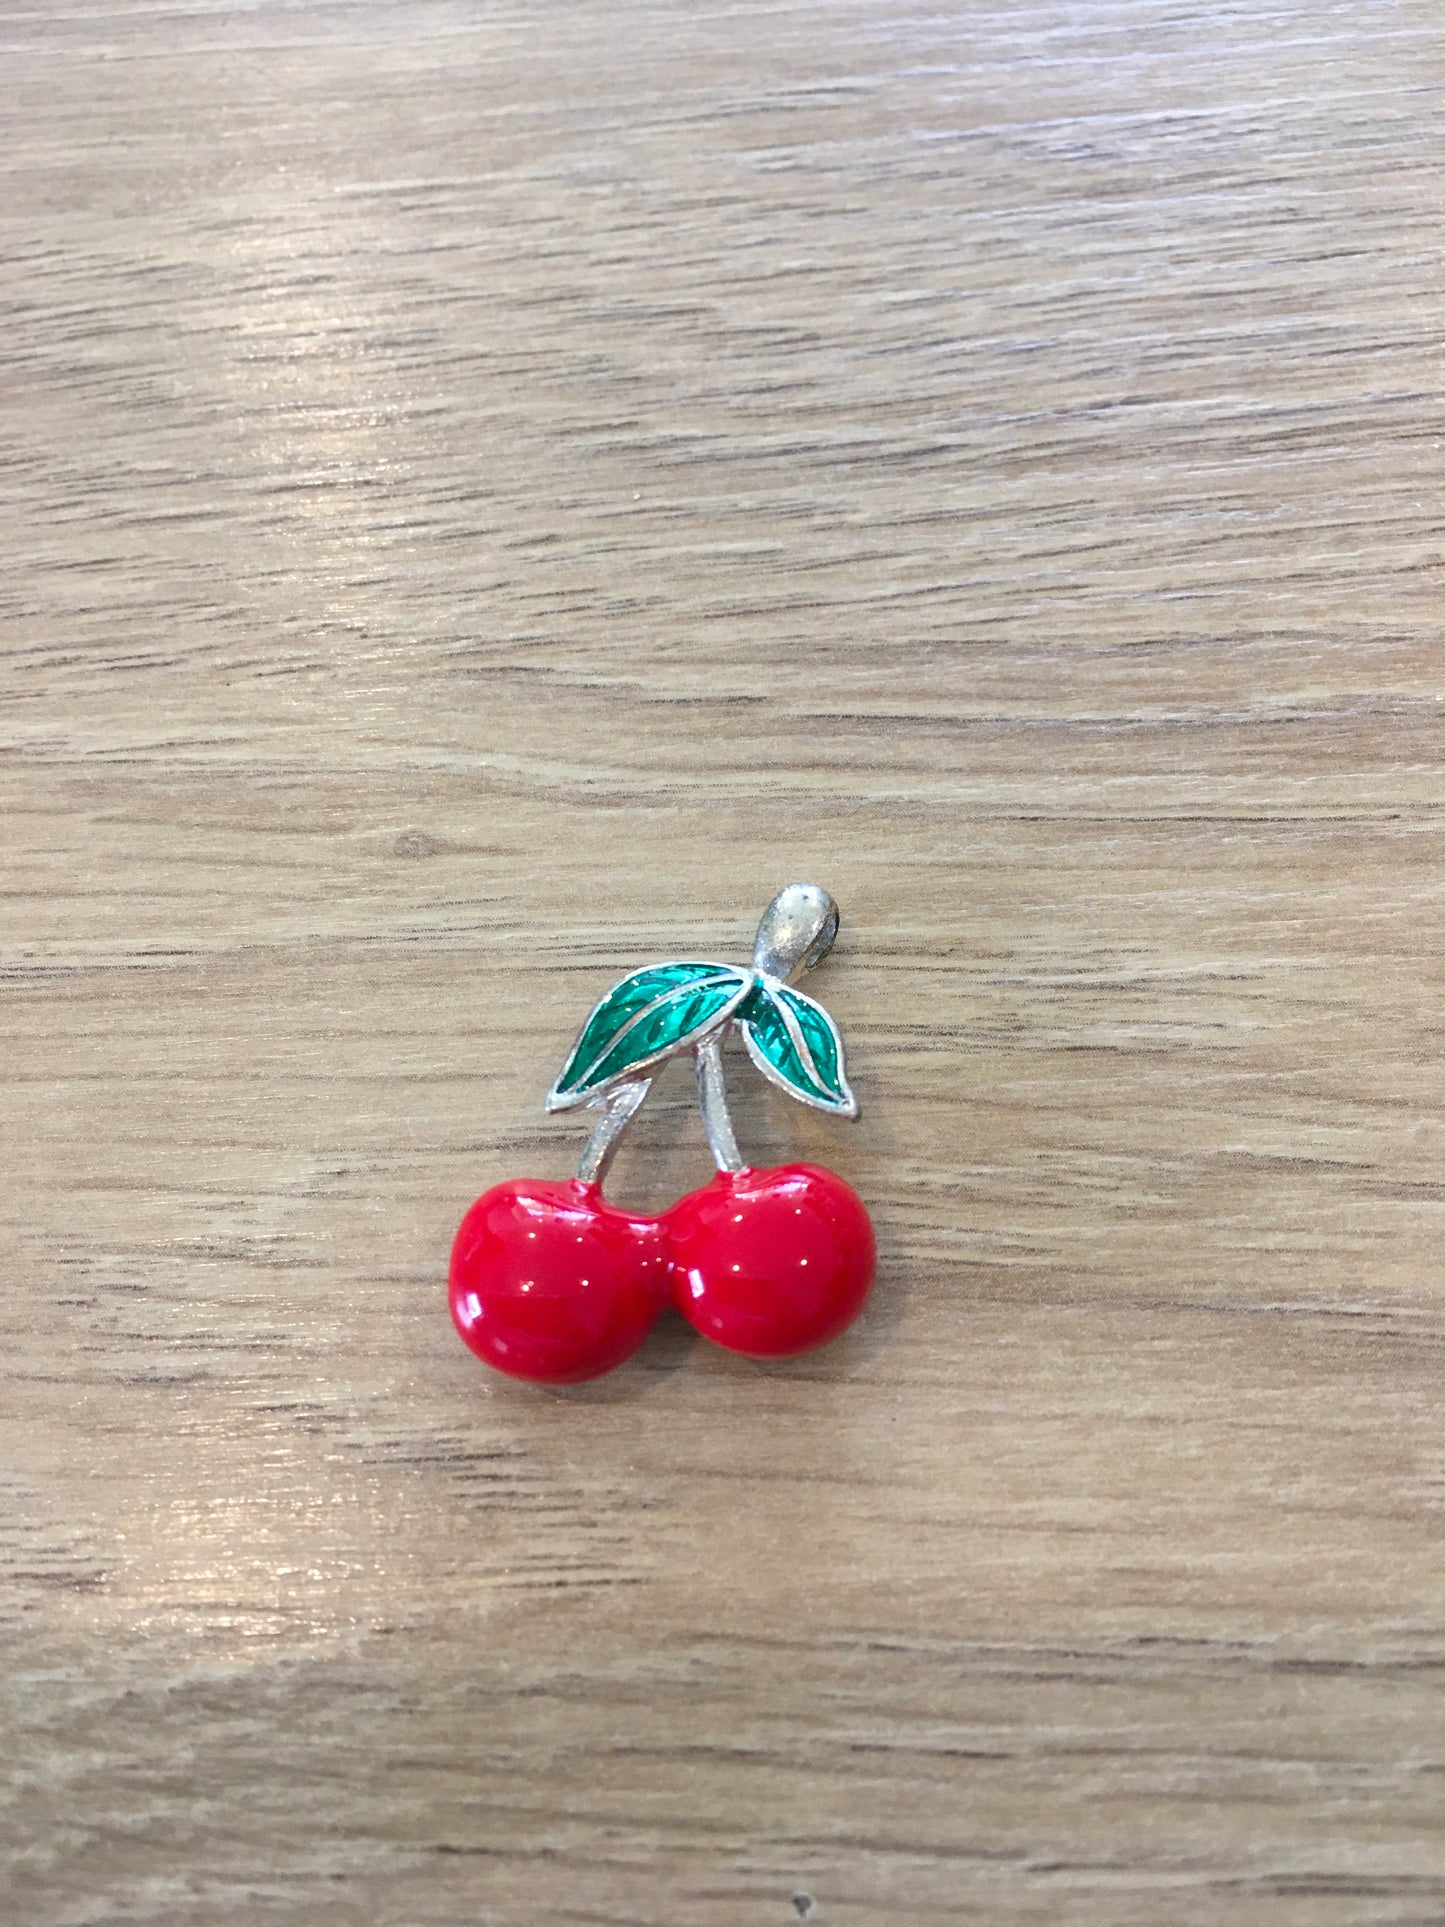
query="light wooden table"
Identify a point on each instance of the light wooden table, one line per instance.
(492, 491)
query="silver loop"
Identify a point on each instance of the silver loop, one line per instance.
(797, 930)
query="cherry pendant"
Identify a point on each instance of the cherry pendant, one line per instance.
(552, 1283)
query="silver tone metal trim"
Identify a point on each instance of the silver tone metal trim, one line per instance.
(618, 1111)
(712, 1096)
(556, 1100)
(796, 931)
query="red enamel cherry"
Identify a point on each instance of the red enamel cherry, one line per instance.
(769, 1263)
(550, 1282)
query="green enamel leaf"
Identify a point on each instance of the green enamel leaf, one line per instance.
(647, 1016)
(795, 1043)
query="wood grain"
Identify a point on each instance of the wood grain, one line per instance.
(491, 493)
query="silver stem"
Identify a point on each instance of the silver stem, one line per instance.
(712, 1095)
(617, 1113)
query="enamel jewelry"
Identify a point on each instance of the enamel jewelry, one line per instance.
(551, 1282)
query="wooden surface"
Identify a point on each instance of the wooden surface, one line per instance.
(492, 492)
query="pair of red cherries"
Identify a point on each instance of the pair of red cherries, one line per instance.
(550, 1282)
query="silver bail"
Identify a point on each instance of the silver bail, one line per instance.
(797, 930)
